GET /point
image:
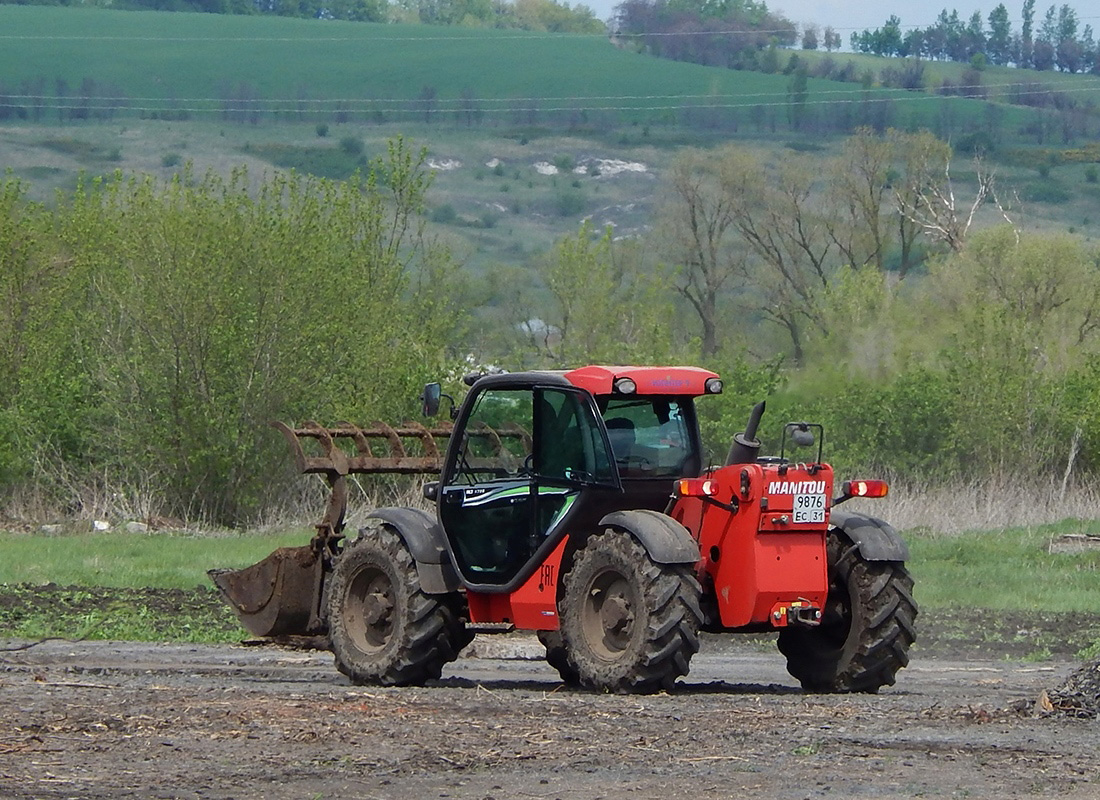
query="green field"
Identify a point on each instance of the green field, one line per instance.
(311, 69)
(113, 585)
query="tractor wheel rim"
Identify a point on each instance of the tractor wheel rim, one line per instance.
(609, 614)
(370, 609)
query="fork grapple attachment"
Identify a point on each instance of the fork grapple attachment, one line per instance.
(282, 595)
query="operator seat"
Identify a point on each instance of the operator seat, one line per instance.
(620, 431)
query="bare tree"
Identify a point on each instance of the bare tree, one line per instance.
(927, 197)
(856, 201)
(697, 234)
(779, 218)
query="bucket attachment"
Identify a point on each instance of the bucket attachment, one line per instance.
(279, 596)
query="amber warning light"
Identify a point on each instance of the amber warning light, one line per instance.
(697, 487)
(864, 488)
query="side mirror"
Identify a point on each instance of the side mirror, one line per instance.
(430, 399)
(801, 435)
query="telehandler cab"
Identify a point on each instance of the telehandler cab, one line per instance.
(577, 504)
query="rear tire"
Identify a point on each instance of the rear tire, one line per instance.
(557, 658)
(384, 628)
(866, 630)
(628, 624)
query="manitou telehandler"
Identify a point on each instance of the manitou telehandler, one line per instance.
(578, 505)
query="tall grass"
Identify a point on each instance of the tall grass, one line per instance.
(984, 503)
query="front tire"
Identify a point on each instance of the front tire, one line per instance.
(866, 630)
(628, 624)
(384, 628)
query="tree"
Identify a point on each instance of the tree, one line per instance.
(927, 199)
(859, 181)
(607, 307)
(188, 330)
(797, 93)
(778, 218)
(698, 235)
(1014, 311)
(831, 39)
(1026, 27)
(810, 37)
(999, 43)
(1068, 51)
(890, 37)
(427, 100)
(974, 37)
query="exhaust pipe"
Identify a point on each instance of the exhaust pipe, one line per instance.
(745, 446)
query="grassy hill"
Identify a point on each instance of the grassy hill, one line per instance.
(194, 63)
(95, 90)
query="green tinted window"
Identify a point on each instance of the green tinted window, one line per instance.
(569, 443)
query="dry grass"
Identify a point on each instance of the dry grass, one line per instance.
(983, 504)
(980, 504)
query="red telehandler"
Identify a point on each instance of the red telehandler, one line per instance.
(577, 504)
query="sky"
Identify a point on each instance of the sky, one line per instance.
(845, 15)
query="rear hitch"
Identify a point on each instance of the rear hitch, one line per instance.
(800, 612)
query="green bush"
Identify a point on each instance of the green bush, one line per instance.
(444, 214)
(569, 203)
(352, 145)
(1046, 192)
(192, 313)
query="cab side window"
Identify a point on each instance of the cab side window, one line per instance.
(497, 438)
(569, 446)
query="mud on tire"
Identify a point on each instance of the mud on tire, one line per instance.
(866, 629)
(384, 628)
(628, 624)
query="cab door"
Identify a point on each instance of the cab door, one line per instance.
(520, 461)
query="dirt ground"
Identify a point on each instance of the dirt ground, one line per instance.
(119, 720)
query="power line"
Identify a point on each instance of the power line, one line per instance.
(475, 35)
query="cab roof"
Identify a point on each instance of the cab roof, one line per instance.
(600, 380)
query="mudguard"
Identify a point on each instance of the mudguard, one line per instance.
(665, 539)
(425, 539)
(876, 540)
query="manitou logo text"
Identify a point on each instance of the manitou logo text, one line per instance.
(796, 487)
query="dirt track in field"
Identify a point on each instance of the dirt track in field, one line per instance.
(117, 720)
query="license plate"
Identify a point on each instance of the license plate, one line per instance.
(809, 508)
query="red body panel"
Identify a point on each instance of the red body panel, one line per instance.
(672, 381)
(531, 607)
(759, 561)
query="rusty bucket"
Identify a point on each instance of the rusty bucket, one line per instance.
(279, 596)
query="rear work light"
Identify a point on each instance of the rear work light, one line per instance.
(697, 487)
(713, 386)
(864, 488)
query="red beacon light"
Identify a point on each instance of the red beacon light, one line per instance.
(864, 489)
(697, 487)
